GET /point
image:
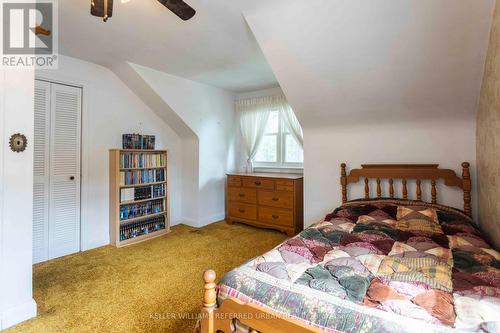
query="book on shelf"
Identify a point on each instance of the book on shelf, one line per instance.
(143, 193)
(134, 210)
(138, 194)
(141, 160)
(138, 141)
(142, 228)
(158, 191)
(133, 177)
(131, 194)
(127, 194)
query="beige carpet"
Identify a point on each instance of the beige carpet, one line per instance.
(148, 287)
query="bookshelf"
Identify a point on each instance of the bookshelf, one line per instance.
(138, 195)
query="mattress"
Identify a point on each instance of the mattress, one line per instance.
(378, 266)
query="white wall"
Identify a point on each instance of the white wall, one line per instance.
(190, 145)
(209, 112)
(16, 198)
(110, 109)
(446, 143)
(378, 81)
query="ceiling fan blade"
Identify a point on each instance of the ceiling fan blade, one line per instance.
(97, 8)
(179, 8)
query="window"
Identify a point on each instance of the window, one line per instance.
(278, 147)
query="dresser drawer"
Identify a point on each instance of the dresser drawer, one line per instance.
(241, 194)
(285, 188)
(284, 182)
(276, 216)
(233, 181)
(265, 184)
(265, 200)
(244, 211)
(276, 199)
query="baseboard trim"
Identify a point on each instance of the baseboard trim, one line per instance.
(190, 222)
(212, 219)
(15, 315)
(94, 245)
(203, 222)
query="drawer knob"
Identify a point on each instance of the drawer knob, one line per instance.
(241, 210)
(275, 199)
(275, 217)
(241, 195)
(258, 183)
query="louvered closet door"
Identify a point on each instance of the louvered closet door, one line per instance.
(64, 208)
(56, 171)
(41, 178)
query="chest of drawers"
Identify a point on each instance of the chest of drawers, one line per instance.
(272, 201)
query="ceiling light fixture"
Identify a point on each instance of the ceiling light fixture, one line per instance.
(104, 8)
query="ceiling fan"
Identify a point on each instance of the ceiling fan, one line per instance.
(104, 8)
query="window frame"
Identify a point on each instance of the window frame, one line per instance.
(283, 131)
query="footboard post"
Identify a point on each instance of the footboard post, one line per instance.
(466, 186)
(343, 182)
(209, 302)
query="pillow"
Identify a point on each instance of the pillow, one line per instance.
(417, 213)
(367, 219)
(419, 227)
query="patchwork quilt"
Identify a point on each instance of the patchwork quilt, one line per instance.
(379, 266)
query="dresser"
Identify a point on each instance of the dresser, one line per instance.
(267, 200)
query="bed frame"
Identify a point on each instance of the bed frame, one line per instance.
(219, 319)
(405, 172)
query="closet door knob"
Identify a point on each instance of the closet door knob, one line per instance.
(72, 178)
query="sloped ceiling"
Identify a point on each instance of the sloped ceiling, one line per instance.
(214, 47)
(374, 58)
(360, 61)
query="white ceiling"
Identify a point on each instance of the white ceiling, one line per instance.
(215, 47)
(373, 61)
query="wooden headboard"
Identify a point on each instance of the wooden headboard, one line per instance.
(406, 172)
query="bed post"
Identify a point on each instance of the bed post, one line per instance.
(466, 186)
(209, 302)
(343, 181)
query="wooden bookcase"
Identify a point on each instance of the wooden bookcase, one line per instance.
(136, 228)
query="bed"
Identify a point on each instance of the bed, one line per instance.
(372, 265)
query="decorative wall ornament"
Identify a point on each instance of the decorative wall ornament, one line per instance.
(18, 142)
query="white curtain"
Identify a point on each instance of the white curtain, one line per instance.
(291, 120)
(254, 114)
